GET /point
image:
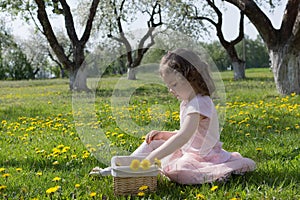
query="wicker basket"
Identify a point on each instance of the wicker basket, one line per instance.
(128, 182)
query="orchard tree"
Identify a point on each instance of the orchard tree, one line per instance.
(283, 44)
(255, 52)
(117, 13)
(42, 9)
(14, 63)
(237, 63)
(75, 67)
(190, 18)
(218, 54)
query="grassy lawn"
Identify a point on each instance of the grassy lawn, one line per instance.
(50, 138)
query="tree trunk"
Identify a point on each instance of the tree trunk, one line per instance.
(131, 73)
(239, 70)
(78, 80)
(286, 70)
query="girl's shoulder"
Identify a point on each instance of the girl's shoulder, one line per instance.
(200, 104)
(200, 99)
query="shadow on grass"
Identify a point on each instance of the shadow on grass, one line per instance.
(14, 112)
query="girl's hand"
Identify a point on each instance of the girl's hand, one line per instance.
(157, 135)
(152, 135)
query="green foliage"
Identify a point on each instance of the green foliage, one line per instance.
(13, 62)
(39, 142)
(256, 54)
(218, 55)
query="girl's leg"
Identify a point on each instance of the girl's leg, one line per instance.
(143, 150)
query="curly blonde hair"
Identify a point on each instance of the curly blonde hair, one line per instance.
(191, 67)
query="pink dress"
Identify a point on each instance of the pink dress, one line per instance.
(202, 159)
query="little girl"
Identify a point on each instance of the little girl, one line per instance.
(193, 154)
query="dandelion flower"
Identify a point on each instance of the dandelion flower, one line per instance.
(258, 149)
(157, 162)
(93, 194)
(200, 196)
(19, 169)
(5, 175)
(77, 185)
(145, 164)
(39, 173)
(2, 169)
(55, 163)
(214, 188)
(135, 164)
(3, 187)
(141, 194)
(52, 189)
(56, 179)
(144, 187)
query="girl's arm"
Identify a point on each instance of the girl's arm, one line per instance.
(183, 135)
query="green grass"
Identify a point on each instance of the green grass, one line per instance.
(45, 132)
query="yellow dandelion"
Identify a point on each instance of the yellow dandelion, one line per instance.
(93, 194)
(200, 196)
(56, 179)
(135, 164)
(55, 163)
(293, 94)
(77, 185)
(3, 187)
(52, 190)
(2, 169)
(157, 162)
(39, 173)
(144, 187)
(145, 164)
(19, 169)
(214, 188)
(5, 175)
(259, 149)
(141, 194)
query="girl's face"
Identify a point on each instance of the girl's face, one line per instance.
(178, 86)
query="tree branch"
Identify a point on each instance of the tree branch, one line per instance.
(259, 20)
(48, 32)
(289, 19)
(89, 23)
(122, 37)
(69, 23)
(241, 30)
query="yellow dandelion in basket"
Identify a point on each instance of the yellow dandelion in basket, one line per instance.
(143, 187)
(157, 162)
(145, 164)
(135, 164)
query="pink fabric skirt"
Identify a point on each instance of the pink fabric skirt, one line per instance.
(189, 168)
